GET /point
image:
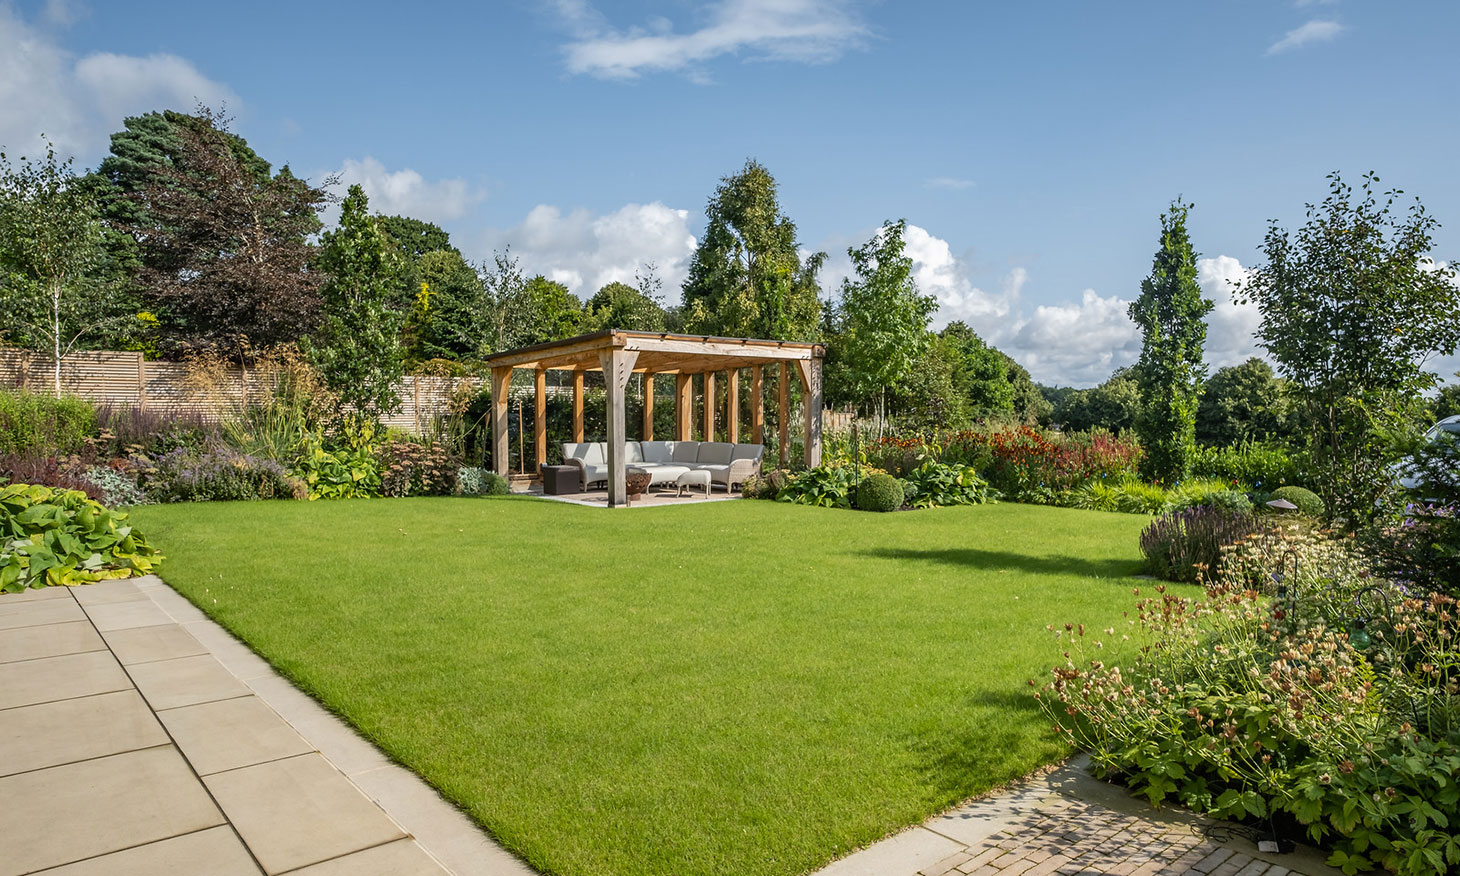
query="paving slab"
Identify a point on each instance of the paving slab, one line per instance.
(67, 731)
(85, 809)
(229, 734)
(901, 855)
(400, 858)
(37, 612)
(212, 852)
(107, 592)
(126, 615)
(299, 811)
(185, 681)
(150, 644)
(35, 594)
(51, 640)
(237, 657)
(60, 678)
(331, 736)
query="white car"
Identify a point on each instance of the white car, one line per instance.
(1405, 477)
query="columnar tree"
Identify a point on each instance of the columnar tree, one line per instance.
(883, 325)
(358, 345)
(746, 278)
(1352, 306)
(1171, 313)
(57, 280)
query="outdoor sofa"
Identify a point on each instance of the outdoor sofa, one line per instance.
(729, 465)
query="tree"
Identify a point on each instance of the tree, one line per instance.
(746, 278)
(57, 280)
(415, 238)
(1446, 402)
(1352, 306)
(621, 306)
(1113, 405)
(1030, 405)
(1244, 402)
(883, 317)
(358, 345)
(1171, 313)
(927, 397)
(225, 250)
(447, 318)
(554, 313)
(979, 373)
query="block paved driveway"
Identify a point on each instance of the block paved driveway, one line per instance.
(138, 737)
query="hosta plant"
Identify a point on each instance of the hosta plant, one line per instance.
(52, 537)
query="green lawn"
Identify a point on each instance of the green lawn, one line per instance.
(730, 688)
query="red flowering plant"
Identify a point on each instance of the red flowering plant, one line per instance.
(1297, 692)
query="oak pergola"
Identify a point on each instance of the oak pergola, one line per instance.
(619, 354)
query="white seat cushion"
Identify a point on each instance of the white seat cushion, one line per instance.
(693, 476)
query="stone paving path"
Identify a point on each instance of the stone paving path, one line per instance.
(138, 737)
(1070, 823)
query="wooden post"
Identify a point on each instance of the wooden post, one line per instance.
(810, 371)
(617, 365)
(539, 419)
(578, 406)
(648, 432)
(732, 406)
(709, 406)
(783, 420)
(757, 404)
(501, 386)
(141, 381)
(684, 407)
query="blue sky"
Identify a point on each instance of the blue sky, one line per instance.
(1031, 145)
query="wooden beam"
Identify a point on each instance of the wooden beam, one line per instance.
(501, 386)
(783, 420)
(578, 406)
(709, 406)
(732, 406)
(684, 407)
(553, 355)
(810, 371)
(539, 418)
(757, 404)
(738, 347)
(617, 366)
(648, 432)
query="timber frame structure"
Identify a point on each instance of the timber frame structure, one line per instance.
(619, 354)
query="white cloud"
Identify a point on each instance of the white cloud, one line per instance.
(1231, 327)
(77, 103)
(406, 193)
(584, 251)
(1316, 31)
(1076, 344)
(807, 31)
(951, 183)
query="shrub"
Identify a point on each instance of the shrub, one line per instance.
(129, 428)
(765, 486)
(1309, 505)
(879, 492)
(1229, 500)
(827, 486)
(344, 466)
(1270, 707)
(38, 425)
(1182, 545)
(896, 456)
(117, 488)
(46, 471)
(1259, 465)
(1208, 492)
(472, 481)
(934, 484)
(60, 537)
(410, 468)
(219, 474)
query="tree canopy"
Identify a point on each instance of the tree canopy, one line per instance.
(621, 306)
(746, 278)
(1246, 402)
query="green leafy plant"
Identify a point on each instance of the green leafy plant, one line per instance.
(54, 537)
(1261, 465)
(219, 474)
(34, 424)
(472, 481)
(879, 492)
(1308, 502)
(411, 468)
(117, 487)
(825, 486)
(935, 484)
(345, 467)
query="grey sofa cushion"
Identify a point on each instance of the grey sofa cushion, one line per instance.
(657, 451)
(748, 451)
(633, 452)
(715, 452)
(685, 451)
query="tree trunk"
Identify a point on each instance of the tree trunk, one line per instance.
(56, 336)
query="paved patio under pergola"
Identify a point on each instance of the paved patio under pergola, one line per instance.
(619, 354)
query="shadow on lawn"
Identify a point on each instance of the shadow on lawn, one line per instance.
(995, 561)
(973, 757)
